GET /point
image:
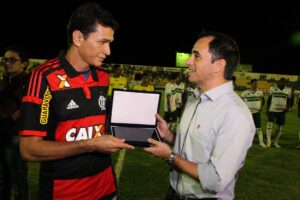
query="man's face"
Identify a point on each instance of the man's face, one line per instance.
(281, 84)
(254, 85)
(13, 63)
(200, 65)
(96, 47)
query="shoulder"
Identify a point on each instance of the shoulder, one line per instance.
(46, 66)
(233, 103)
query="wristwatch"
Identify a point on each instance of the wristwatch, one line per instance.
(170, 159)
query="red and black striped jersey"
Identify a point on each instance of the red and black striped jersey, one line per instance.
(62, 105)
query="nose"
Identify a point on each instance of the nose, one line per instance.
(107, 49)
(189, 61)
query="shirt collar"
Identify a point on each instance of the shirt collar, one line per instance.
(214, 93)
(71, 72)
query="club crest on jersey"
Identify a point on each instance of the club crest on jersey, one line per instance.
(101, 102)
(83, 133)
(63, 81)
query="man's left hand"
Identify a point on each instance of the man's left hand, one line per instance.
(158, 149)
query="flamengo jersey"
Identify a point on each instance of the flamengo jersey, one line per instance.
(253, 99)
(61, 106)
(280, 98)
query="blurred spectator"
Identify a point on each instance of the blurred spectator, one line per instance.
(145, 84)
(117, 80)
(170, 106)
(13, 169)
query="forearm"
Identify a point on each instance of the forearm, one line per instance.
(186, 166)
(37, 149)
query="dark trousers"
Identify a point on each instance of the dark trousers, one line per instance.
(13, 170)
(173, 195)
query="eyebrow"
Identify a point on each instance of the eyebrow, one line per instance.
(196, 53)
(106, 40)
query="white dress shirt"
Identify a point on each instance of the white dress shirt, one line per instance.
(216, 134)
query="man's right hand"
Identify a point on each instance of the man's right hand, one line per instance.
(163, 129)
(109, 144)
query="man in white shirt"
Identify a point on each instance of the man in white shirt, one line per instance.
(216, 128)
(279, 102)
(254, 99)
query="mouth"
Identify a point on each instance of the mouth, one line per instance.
(101, 59)
(191, 70)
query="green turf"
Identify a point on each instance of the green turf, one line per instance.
(268, 174)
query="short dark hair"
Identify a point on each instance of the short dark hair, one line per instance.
(282, 79)
(253, 80)
(224, 47)
(22, 52)
(86, 17)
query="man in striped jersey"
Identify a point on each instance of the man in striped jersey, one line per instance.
(64, 114)
(254, 99)
(279, 102)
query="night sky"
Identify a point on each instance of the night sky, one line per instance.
(150, 33)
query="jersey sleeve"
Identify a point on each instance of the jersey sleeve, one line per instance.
(35, 106)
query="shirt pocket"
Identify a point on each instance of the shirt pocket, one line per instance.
(202, 142)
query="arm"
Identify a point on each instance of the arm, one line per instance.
(34, 148)
(162, 150)
(234, 137)
(163, 130)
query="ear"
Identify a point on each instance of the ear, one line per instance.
(77, 38)
(220, 65)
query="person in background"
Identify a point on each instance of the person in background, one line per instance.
(64, 113)
(116, 80)
(179, 89)
(170, 106)
(254, 99)
(145, 84)
(279, 102)
(188, 92)
(13, 169)
(216, 128)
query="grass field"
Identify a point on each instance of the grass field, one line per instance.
(268, 174)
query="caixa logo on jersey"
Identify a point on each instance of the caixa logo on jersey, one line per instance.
(84, 133)
(102, 102)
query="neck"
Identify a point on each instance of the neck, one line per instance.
(211, 84)
(74, 59)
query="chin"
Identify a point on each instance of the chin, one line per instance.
(191, 79)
